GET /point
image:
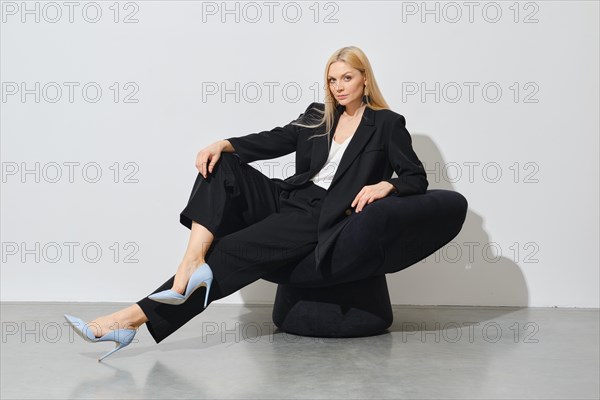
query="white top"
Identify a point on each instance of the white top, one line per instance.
(324, 177)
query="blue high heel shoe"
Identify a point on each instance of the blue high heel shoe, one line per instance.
(122, 337)
(203, 276)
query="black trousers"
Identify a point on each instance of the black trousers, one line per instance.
(257, 228)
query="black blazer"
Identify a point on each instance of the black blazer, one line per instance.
(380, 146)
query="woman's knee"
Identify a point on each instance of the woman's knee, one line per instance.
(229, 159)
(227, 164)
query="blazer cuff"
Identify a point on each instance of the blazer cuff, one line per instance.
(407, 187)
(234, 142)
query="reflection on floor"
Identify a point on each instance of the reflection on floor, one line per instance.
(232, 351)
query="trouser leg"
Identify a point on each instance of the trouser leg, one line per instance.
(271, 235)
(232, 197)
(238, 259)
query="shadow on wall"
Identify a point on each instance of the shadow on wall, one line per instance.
(470, 270)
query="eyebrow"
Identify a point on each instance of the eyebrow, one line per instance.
(347, 72)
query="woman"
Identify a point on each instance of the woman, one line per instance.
(245, 225)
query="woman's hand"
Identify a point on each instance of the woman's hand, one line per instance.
(370, 193)
(208, 157)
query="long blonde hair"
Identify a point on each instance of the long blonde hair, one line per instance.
(355, 58)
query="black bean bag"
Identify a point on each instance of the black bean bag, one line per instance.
(349, 297)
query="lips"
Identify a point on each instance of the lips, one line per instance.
(342, 97)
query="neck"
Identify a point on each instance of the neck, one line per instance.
(353, 108)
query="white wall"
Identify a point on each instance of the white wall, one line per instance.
(534, 230)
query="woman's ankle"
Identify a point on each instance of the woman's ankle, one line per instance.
(192, 262)
(141, 317)
(131, 317)
(135, 316)
(186, 268)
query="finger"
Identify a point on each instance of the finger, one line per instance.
(204, 160)
(198, 165)
(206, 164)
(207, 161)
(213, 162)
(366, 199)
(361, 204)
(358, 195)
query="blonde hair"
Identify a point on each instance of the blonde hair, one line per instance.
(355, 58)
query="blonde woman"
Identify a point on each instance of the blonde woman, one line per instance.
(244, 225)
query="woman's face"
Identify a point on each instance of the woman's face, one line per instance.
(345, 83)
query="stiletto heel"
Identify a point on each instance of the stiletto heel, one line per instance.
(203, 276)
(119, 346)
(122, 337)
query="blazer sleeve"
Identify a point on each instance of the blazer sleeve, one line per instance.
(265, 145)
(412, 178)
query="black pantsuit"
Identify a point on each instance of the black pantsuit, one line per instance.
(262, 225)
(258, 227)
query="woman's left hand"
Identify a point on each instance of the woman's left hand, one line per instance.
(370, 193)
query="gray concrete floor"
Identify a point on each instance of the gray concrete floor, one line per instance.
(236, 352)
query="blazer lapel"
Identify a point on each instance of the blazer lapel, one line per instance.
(363, 133)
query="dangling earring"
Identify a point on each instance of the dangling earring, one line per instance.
(366, 95)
